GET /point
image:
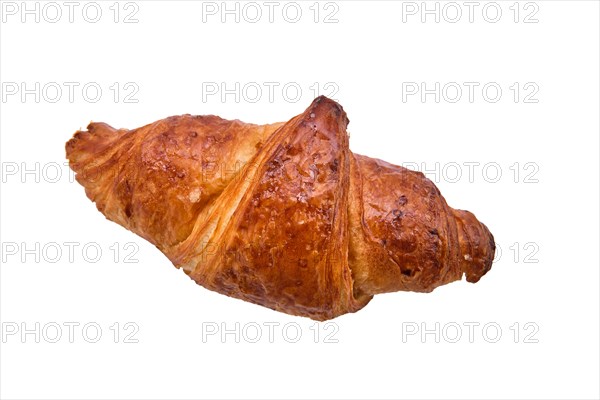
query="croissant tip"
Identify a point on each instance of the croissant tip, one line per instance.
(323, 104)
(86, 144)
(477, 245)
(72, 143)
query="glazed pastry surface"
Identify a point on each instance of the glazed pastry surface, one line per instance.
(282, 215)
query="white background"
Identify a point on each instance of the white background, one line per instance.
(547, 213)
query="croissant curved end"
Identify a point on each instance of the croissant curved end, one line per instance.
(477, 246)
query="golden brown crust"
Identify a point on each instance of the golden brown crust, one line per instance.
(405, 236)
(282, 215)
(156, 179)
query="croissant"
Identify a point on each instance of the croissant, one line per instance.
(282, 215)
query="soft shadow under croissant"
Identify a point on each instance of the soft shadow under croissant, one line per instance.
(282, 215)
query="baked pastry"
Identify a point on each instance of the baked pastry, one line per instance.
(282, 215)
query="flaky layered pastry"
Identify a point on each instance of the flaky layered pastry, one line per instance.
(282, 215)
